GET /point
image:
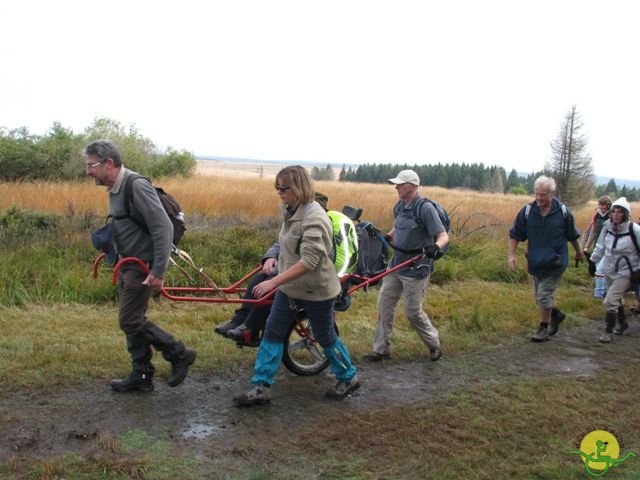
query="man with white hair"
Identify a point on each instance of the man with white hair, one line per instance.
(417, 226)
(546, 225)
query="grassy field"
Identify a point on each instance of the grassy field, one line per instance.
(59, 330)
(254, 198)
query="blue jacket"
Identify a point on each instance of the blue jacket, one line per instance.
(546, 237)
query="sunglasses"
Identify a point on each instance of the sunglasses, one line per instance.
(282, 189)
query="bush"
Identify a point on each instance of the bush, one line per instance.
(58, 154)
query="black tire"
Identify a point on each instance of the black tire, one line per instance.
(303, 356)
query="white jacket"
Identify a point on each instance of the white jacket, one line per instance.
(613, 245)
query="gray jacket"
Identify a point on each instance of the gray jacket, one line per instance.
(612, 245)
(153, 248)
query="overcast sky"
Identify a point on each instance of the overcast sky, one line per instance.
(333, 81)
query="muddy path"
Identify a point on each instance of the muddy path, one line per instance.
(199, 412)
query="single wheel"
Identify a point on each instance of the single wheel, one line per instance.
(303, 355)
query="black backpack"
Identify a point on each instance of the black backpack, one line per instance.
(373, 250)
(169, 203)
(442, 213)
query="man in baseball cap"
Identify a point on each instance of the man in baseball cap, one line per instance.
(406, 176)
(411, 214)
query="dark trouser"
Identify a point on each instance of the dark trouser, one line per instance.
(253, 317)
(282, 316)
(141, 334)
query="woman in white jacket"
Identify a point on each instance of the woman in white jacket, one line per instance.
(618, 239)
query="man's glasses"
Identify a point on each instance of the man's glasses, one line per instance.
(282, 189)
(91, 166)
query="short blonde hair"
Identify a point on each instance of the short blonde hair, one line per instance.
(297, 177)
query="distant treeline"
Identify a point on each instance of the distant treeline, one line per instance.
(474, 176)
(57, 155)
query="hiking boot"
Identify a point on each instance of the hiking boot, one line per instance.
(610, 322)
(240, 334)
(376, 357)
(135, 381)
(541, 335)
(224, 328)
(342, 389)
(606, 337)
(621, 322)
(180, 367)
(257, 395)
(557, 317)
(435, 353)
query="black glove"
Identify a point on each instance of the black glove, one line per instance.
(591, 267)
(431, 251)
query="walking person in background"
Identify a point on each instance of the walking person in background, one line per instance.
(306, 280)
(600, 216)
(546, 225)
(417, 226)
(618, 253)
(104, 164)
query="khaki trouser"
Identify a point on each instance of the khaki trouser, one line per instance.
(615, 293)
(413, 290)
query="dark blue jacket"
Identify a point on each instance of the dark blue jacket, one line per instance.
(546, 237)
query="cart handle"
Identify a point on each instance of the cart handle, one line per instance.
(165, 291)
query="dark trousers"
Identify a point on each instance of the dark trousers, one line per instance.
(253, 317)
(142, 334)
(283, 313)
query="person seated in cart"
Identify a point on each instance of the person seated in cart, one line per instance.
(250, 319)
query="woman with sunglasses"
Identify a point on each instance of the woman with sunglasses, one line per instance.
(617, 248)
(306, 280)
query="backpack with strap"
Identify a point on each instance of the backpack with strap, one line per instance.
(169, 203)
(528, 206)
(634, 274)
(442, 214)
(344, 250)
(373, 250)
(345, 243)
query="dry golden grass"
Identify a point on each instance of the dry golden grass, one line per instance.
(255, 198)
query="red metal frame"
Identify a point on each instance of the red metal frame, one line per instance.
(170, 292)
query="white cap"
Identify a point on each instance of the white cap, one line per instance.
(622, 203)
(406, 176)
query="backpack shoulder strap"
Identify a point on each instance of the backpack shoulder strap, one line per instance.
(416, 214)
(634, 239)
(527, 210)
(128, 198)
(128, 191)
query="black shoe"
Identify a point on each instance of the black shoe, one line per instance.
(224, 328)
(376, 357)
(135, 381)
(541, 335)
(238, 334)
(621, 326)
(180, 367)
(435, 353)
(557, 317)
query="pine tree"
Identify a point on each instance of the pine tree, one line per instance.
(570, 164)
